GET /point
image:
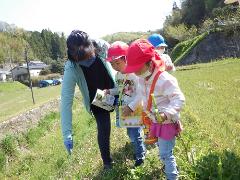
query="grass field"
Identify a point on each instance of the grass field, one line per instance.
(209, 147)
(16, 98)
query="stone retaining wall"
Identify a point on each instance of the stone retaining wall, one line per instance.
(27, 120)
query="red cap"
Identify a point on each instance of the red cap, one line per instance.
(117, 50)
(140, 52)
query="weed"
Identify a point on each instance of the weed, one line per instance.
(44, 125)
(2, 160)
(8, 145)
(208, 147)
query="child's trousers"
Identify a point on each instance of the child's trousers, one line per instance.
(137, 140)
(166, 155)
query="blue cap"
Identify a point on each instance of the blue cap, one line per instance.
(157, 40)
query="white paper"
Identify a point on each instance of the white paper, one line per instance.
(104, 101)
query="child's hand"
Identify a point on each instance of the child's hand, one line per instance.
(126, 111)
(160, 116)
(168, 67)
(163, 116)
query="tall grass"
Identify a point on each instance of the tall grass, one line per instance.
(16, 98)
(209, 147)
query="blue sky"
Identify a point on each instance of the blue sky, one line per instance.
(97, 17)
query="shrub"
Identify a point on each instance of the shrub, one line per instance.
(181, 32)
(57, 66)
(45, 72)
(207, 25)
(52, 76)
(35, 80)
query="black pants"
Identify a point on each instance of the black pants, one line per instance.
(104, 128)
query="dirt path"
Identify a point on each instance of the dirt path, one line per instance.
(27, 120)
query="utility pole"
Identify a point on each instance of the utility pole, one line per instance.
(29, 77)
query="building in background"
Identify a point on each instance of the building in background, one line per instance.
(5, 75)
(20, 73)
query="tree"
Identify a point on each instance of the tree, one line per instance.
(57, 66)
(193, 11)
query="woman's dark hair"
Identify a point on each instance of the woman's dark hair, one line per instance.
(96, 46)
(79, 46)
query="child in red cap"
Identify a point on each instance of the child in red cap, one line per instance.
(167, 99)
(126, 89)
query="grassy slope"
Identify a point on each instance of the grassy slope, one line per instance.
(182, 49)
(208, 148)
(16, 98)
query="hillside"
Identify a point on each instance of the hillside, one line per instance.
(207, 47)
(16, 98)
(126, 37)
(209, 147)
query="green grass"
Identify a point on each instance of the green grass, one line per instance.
(212, 118)
(16, 98)
(209, 147)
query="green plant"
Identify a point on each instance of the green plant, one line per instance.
(182, 49)
(44, 125)
(208, 147)
(8, 145)
(181, 32)
(45, 72)
(16, 98)
(2, 160)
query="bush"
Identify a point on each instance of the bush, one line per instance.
(206, 26)
(57, 66)
(45, 72)
(181, 32)
(35, 80)
(52, 76)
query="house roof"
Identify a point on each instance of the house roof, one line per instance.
(33, 66)
(36, 65)
(3, 71)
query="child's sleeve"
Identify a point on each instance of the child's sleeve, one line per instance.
(114, 91)
(169, 64)
(176, 99)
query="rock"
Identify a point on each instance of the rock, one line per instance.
(27, 120)
(215, 46)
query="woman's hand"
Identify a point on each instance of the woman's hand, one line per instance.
(106, 91)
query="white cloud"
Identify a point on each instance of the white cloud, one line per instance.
(96, 17)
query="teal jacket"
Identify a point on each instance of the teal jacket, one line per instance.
(73, 75)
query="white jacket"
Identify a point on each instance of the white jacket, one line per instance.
(168, 96)
(126, 84)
